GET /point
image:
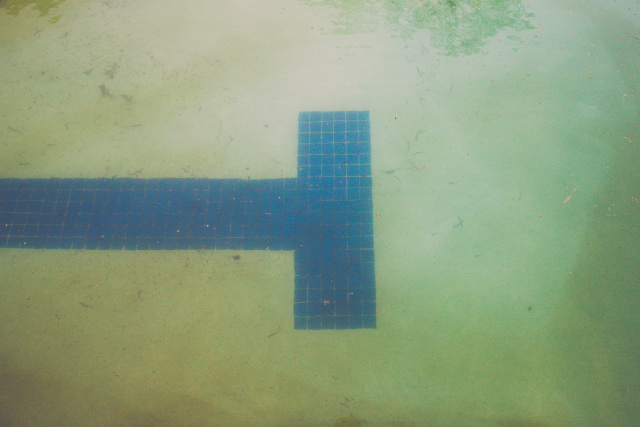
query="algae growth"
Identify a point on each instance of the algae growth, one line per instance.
(457, 27)
(43, 6)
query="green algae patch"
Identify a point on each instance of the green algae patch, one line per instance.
(457, 27)
(43, 6)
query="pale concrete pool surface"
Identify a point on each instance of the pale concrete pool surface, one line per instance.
(505, 189)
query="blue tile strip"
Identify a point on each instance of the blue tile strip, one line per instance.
(325, 215)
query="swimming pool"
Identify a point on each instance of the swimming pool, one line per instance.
(319, 213)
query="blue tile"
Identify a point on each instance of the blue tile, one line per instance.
(304, 116)
(369, 322)
(325, 215)
(342, 322)
(314, 322)
(328, 322)
(327, 116)
(66, 243)
(355, 322)
(342, 307)
(300, 323)
(315, 137)
(369, 308)
(368, 293)
(363, 136)
(315, 116)
(300, 309)
(339, 116)
(355, 308)
(300, 295)
(93, 243)
(39, 242)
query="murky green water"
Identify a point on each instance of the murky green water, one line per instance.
(505, 169)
